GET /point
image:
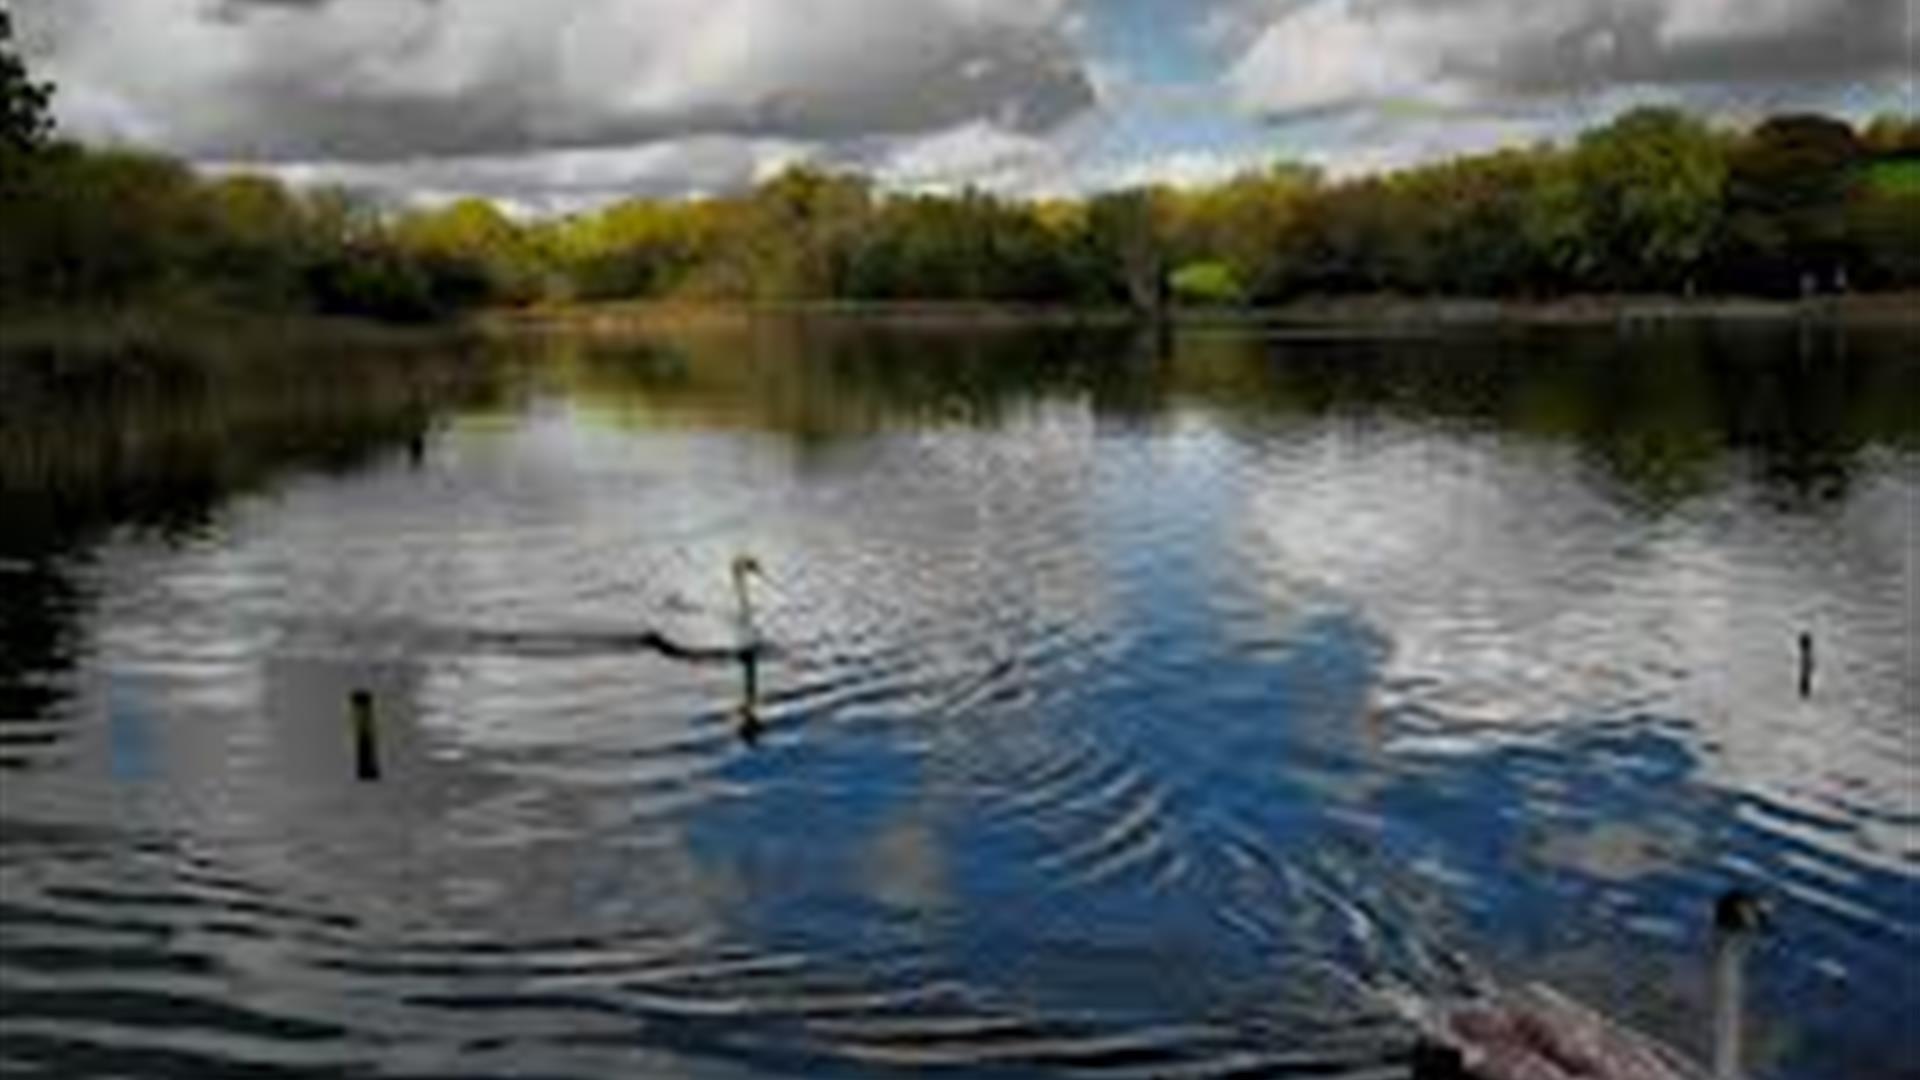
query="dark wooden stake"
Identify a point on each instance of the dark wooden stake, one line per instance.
(750, 726)
(1806, 664)
(366, 736)
(1437, 1061)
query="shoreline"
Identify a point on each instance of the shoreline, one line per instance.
(158, 330)
(1356, 312)
(1602, 310)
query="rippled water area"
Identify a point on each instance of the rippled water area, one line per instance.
(1102, 703)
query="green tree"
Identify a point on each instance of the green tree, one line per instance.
(1787, 204)
(634, 248)
(258, 241)
(1130, 231)
(25, 121)
(1891, 135)
(1369, 235)
(1650, 201)
(1243, 224)
(1210, 283)
(109, 227)
(1651, 185)
(24, 129)
(970, 246)
(802, 231)
(1474, 205)
(1553, 225)
(474, 253)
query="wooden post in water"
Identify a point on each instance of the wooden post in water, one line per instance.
(1806, 664)
(1433, 1060)
(366, 736)
(750, 726)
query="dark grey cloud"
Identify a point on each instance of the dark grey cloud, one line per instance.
(1319, 54)
(233, 11)
(1611, 45)
(237, 9)
(374, 80)
(562, 102)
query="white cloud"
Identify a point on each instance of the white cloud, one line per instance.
(1710, 21)
(567, 102)
(977, 154)
(1179, 168)
(1074, 161)
(1343, 53)
(380, 79)
(560, 181)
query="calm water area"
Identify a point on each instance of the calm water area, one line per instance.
(1129, 705)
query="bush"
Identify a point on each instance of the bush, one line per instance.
(1211, 283)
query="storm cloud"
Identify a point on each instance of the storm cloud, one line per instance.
(1303, 57)
(553, 103)
(372, 80)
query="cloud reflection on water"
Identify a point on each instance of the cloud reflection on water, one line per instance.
(1263, 655)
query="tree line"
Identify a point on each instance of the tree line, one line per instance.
(1654, 201)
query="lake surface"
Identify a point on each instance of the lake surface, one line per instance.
(1132, 707)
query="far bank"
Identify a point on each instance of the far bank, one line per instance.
(1347, 312)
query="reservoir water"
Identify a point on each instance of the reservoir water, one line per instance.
(1130, 706)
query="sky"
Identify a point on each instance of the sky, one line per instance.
(553, 105)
